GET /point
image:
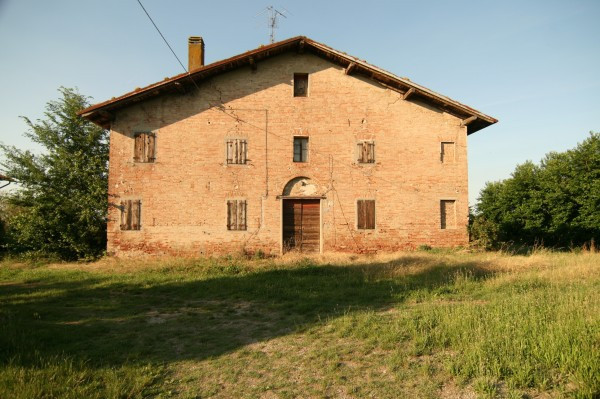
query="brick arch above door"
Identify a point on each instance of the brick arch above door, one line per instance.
(301, 186)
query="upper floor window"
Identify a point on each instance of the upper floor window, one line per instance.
(144, 147)
(366, 151)
(300, 149)
(447, 152)
(237, 151)
(300, 84)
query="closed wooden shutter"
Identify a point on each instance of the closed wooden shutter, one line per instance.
(237, 151)
(144, 147)
(366, 152)
(370, 152)
(150, 147)
(365, 210)
(139, 145)
(243, 150)
(236, 215)
(131, 211)
(136, 209)
(125, 215)
(241, 218)
(229, 151)
(361, 153)
(231, 215)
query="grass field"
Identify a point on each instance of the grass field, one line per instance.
(408, 325)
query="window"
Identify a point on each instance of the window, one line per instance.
(365, 212)
(300, 84)
(300, 149)
(130, 214)
(366, 151)
(447, 214)
(145, 144)
(236, 215)
(237, 151)
(447, 152)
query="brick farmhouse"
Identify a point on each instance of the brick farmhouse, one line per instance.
(291, 146)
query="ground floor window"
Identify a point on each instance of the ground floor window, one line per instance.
(131, 211)
(365, 212)
(236, 215)
(447, 214)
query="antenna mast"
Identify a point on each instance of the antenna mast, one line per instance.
(273, 15)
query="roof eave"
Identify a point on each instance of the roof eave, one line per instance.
(102, 115)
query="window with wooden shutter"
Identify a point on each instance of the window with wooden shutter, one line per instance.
(366, 151)
(300, 84)
(237, 151)
(447, 152)
(144, 147)
(365, 212)
(131, 211)
(447, 214)
(236, 215)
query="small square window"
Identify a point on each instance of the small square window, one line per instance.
(300, 149)
(366, 151)
(300, 85)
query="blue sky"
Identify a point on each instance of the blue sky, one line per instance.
(534, 65)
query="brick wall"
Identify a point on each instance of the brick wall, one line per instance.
(184, 192)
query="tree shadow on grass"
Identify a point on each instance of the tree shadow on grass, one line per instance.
(111, 321)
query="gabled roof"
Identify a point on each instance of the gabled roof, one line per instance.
(101, 113)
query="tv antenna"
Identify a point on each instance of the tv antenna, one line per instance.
(274, 14)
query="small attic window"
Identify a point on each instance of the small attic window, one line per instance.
(300, 85)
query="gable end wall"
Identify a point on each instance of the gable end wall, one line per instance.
(184, 192)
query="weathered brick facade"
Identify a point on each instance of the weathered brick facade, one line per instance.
(184, 192)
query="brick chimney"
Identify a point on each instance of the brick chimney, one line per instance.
(195, 53)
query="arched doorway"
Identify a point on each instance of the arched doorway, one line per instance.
(301, 216)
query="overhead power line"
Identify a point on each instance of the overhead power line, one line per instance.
(161, 35)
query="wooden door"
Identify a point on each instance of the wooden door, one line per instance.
(301, 225)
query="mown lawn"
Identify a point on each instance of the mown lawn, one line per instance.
(413, 325)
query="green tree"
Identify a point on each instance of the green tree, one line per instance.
(556, 203)
(62, 194)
